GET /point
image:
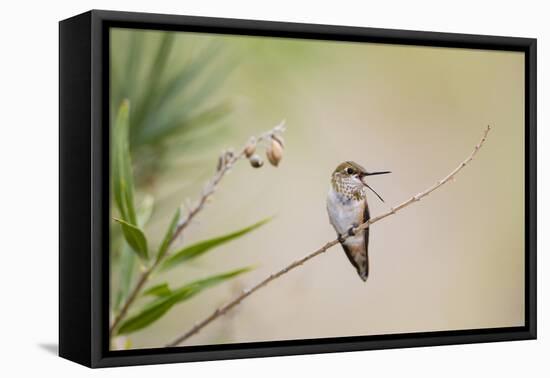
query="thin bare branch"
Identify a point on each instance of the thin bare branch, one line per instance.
(246, 293)
(228, 160)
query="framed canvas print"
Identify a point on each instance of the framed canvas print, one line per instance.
(235, 188)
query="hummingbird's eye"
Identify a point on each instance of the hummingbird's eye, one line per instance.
(349, 171)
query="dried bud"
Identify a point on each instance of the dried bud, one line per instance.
(250, 147)
(274, 152)
(256, 161)
(279, 139)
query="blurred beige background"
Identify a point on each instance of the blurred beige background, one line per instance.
(453, 261)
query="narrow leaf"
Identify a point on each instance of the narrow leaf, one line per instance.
(169, 234)
(128, 258)
(123, 182)
(160, 306)
(161, 290)
(153, 312)
(135, 238)
(196, 286)
(204, 246)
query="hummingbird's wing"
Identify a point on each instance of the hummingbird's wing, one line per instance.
(357, 248)
(366, 217)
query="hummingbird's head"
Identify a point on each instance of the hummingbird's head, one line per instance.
(349, 178)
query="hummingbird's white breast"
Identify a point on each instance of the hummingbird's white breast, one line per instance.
(343, 211)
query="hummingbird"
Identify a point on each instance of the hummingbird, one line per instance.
(347, 208)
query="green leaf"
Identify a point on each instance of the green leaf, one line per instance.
(204, 246)
(160, 306)
(128, 258)
(161, 290)
(123, 182)
(196, 286)
(152, 313)
(135, 238)
(169, 234)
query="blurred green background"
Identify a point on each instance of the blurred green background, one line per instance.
(453, 261)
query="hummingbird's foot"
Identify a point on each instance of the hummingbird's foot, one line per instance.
(341, 239)
(351, 230)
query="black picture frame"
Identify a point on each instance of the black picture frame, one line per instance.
(84, 187)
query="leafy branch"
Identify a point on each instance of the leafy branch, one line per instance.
(246, 293)
(137, 240)
(171, 86)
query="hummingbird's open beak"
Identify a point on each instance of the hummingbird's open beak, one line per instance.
(374, 173)
(364, 174)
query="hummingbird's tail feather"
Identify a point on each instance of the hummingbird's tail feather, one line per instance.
(358, 256)
(365, 274)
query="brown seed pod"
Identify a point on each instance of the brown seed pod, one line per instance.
(279, 139)
(250, 147)
(274, 152)
(256, 161)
